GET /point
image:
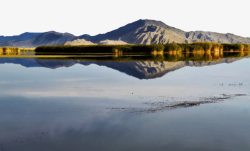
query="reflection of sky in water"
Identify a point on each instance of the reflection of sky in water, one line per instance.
(67, 109)
(93, 80)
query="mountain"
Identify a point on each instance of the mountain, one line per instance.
(138, 32)
(52, 38)
(19, 40)
(137, 69)
(155, 32)
(142, 32)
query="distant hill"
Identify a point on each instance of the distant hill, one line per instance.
(36, 39)
(138, 32)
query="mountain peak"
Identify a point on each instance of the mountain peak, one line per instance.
(153, 22)
(58, 33)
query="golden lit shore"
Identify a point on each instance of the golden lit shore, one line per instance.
(125, 50)
(16, 51)
(155, 50)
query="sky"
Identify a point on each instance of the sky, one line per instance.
(99, 16)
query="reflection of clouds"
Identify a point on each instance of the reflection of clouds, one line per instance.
(85, 124)
(49, 107)
(52, 120)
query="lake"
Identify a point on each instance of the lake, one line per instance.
(55, 104)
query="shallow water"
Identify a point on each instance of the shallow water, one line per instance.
(61, 105)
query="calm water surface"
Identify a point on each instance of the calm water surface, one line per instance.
(76, 105)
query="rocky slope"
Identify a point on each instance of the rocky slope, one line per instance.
(78, 42)
(112, 42)
(138, 32)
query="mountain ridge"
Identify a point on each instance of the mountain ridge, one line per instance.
(139, 32)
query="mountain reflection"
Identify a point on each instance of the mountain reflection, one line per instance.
(141, 67)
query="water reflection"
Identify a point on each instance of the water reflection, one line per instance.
(141, 67)
(70, 103)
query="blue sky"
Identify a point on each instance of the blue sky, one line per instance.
(100, 16)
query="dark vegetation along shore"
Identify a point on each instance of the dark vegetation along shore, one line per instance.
(171, 51)
(156, 49)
